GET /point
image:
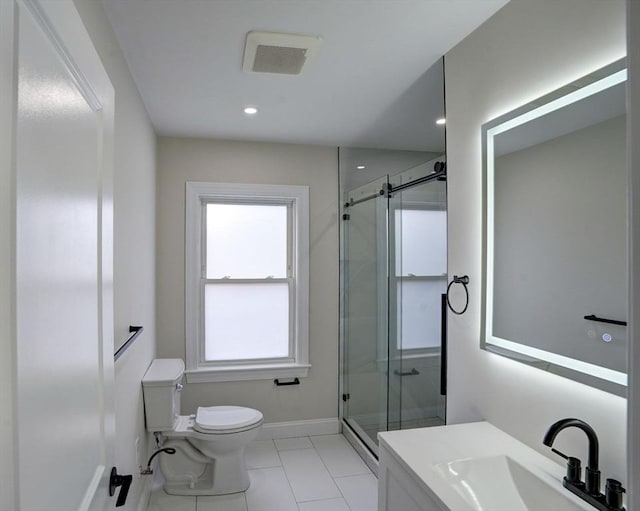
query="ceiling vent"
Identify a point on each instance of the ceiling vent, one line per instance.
(272, 52)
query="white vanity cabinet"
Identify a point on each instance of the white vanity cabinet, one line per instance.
(467, 467)
(398, 489)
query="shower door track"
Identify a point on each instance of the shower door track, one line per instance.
(353, 202)
(441, 175)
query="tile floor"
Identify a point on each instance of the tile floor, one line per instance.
(318, 473)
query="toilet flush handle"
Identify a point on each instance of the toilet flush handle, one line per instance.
(179, 387)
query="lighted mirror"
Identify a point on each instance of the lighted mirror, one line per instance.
(555, 289)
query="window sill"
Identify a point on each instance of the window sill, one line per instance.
(243, 373)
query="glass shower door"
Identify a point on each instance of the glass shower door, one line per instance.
(418, 279)
(394, 274)
(365, 304)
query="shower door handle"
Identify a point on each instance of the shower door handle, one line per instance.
(413, 372)
(443, 344)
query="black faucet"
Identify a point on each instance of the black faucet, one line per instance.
(589, 490)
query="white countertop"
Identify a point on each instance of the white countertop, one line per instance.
(419, 450)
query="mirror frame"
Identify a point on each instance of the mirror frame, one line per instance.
(590, 374)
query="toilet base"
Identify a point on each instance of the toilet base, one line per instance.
(189, 472)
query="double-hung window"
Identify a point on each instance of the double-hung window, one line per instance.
(420, 230)
(246, 281)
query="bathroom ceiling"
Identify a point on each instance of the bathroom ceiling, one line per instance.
(373, 82)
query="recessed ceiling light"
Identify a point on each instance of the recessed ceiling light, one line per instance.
(360, 167)
(441, 121)
(251, 110)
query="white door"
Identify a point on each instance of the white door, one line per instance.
(63, 158)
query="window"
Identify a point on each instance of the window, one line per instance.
(246, 281)
(420, 276)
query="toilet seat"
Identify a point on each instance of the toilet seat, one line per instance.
(226, 419)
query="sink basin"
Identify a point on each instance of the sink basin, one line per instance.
(499, 483)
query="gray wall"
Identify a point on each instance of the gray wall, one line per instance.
(527, 49)
(134, 245)
(182, 160)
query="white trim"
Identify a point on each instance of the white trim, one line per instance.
(293, 429)
(197, 369)
(8, 383)
(150, 482)
(236, 373)
(92, 488)
(81, 82)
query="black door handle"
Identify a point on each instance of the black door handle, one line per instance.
(118, 480)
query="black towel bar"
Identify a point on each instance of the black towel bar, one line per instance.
(295, 381)
(136, 331)
(593, 317)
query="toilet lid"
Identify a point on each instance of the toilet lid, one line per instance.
(225, 418)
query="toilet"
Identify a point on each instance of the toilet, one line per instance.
(209, 457)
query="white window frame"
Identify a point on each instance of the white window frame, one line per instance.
(198, 194)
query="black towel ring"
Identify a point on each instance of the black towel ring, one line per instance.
(464, 280)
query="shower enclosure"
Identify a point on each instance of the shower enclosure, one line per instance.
(393, 277)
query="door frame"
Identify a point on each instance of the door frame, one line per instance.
(8, 438)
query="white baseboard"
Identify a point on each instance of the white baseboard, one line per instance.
(151, 483)
(145, 494)
(292, 429)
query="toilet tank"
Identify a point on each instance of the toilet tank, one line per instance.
(161, 387)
